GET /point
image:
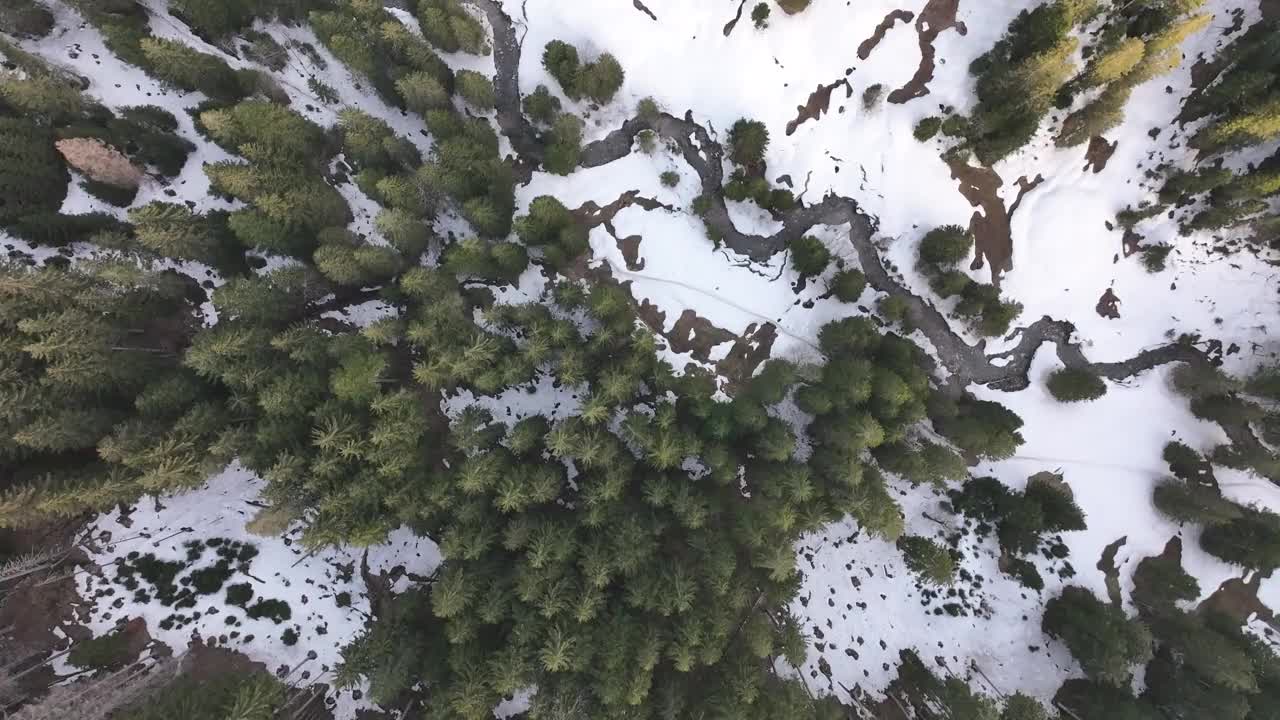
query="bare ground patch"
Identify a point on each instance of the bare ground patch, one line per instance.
(819, 102)
(864, 49)
(937, 17)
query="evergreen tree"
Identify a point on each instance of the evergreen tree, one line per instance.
(476, 89)
(188, 69)
(931, 561)
(809, 256)
(1102, 639)
(1075, 385)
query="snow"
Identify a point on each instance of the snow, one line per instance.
(310, 582)
(1109, 452)
(868, 607)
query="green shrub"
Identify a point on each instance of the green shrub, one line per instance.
(476, 89)
(847, 285)
(927, 128)
(748, 140)
(670, 178)
(188, 69)
(1154, 257)
(931, 561)
(809, 256)
(1075, 385)
(760, 15)
(108, 652)
(541, 106)
(946, 246)
(451, 28)
(564, 148)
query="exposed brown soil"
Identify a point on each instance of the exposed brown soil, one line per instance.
(864, 50)
(1130, 243)
(990, 227)
(818, 103)
(629, 246)
(747, 353)
(1099, 153)
(1238, 600)
(1270, 9)
(1109, 305)
(937, 17)
(1024, 187)
(593, 215)
(1107, 564)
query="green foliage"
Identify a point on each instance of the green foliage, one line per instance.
(343, 259)
(598, 80)
(669, 178)
(979, 427)
(1155, 257)
(423, 92)
(931, 561)
(927, 128)
(476, 89)
(1102, 639)
(760, 15)
(550, 226)
(500, 263)
(369, 142)
(1021, 519)
(106, 652)
(848, 285)
(1070, 385)
(1202, 380)
(928, 463)
(1160, 582)
(1251, 540)
(748, 140)
(451, 28)
(26, 18)
(188, 69)
(33, 178)
(541, 106)
(377, 46)
(1018, 78)
(254, 695)
(946, 247)
(564, 147)
(173, 231)
(809, 256)
(274, 299)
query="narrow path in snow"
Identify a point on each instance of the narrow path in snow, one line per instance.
(809, 340)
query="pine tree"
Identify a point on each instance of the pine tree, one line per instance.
(191, 70)
(1100, 637)
(476, 89)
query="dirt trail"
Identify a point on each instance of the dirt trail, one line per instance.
(818, 104)
(937, 17)
(967, 364)
(864, 49)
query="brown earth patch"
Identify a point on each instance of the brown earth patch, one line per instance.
(1109, 305)
(1024, 187)
(1238, 600)
(747, 353)
(818, 103)
(1131, 243)
(993, 238)
(629, 246)
(1107, 564)
(1270, 9)
(1099, 152)
(937, 17)
(593, 214)
(864, 50)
